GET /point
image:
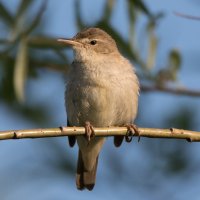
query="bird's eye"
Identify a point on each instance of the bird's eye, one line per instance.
(93, 42)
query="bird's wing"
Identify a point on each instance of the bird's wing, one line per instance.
(71, 139)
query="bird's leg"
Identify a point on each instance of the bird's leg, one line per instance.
(89, 131)
(132, 130)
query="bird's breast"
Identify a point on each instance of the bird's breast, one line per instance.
(87, 102)
(101, 96)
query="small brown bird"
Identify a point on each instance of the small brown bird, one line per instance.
(102, 90)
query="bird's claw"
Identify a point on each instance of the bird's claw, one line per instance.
(132, 130)
(89, 131)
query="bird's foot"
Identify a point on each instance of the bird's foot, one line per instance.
(89, 131)
(132, 130)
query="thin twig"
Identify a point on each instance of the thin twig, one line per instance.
(176, 91)
(171, 133)
(187, 16)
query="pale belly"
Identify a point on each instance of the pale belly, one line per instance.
(100, 106)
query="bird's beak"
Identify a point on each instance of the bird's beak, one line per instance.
(69, 42)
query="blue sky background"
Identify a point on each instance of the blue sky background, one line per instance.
(27, 167)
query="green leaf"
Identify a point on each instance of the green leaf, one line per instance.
(142, 7)
(37, 19)
(6, 15)
(20, 70)
(174, 63)
(174, 60)
(152, 47)
(108, 10)
(20, 20)
(132, 19)
(78, 17)
(23, 6)
(6, 86)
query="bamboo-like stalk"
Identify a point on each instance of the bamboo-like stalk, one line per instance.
(171, 133)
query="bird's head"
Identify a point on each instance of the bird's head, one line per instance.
(91, 42)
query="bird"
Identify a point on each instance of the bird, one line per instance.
(102, 90)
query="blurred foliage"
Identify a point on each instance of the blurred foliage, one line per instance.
(18, 64)
(23, 51)
(169, 73)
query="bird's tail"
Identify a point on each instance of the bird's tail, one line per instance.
(85, 178)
